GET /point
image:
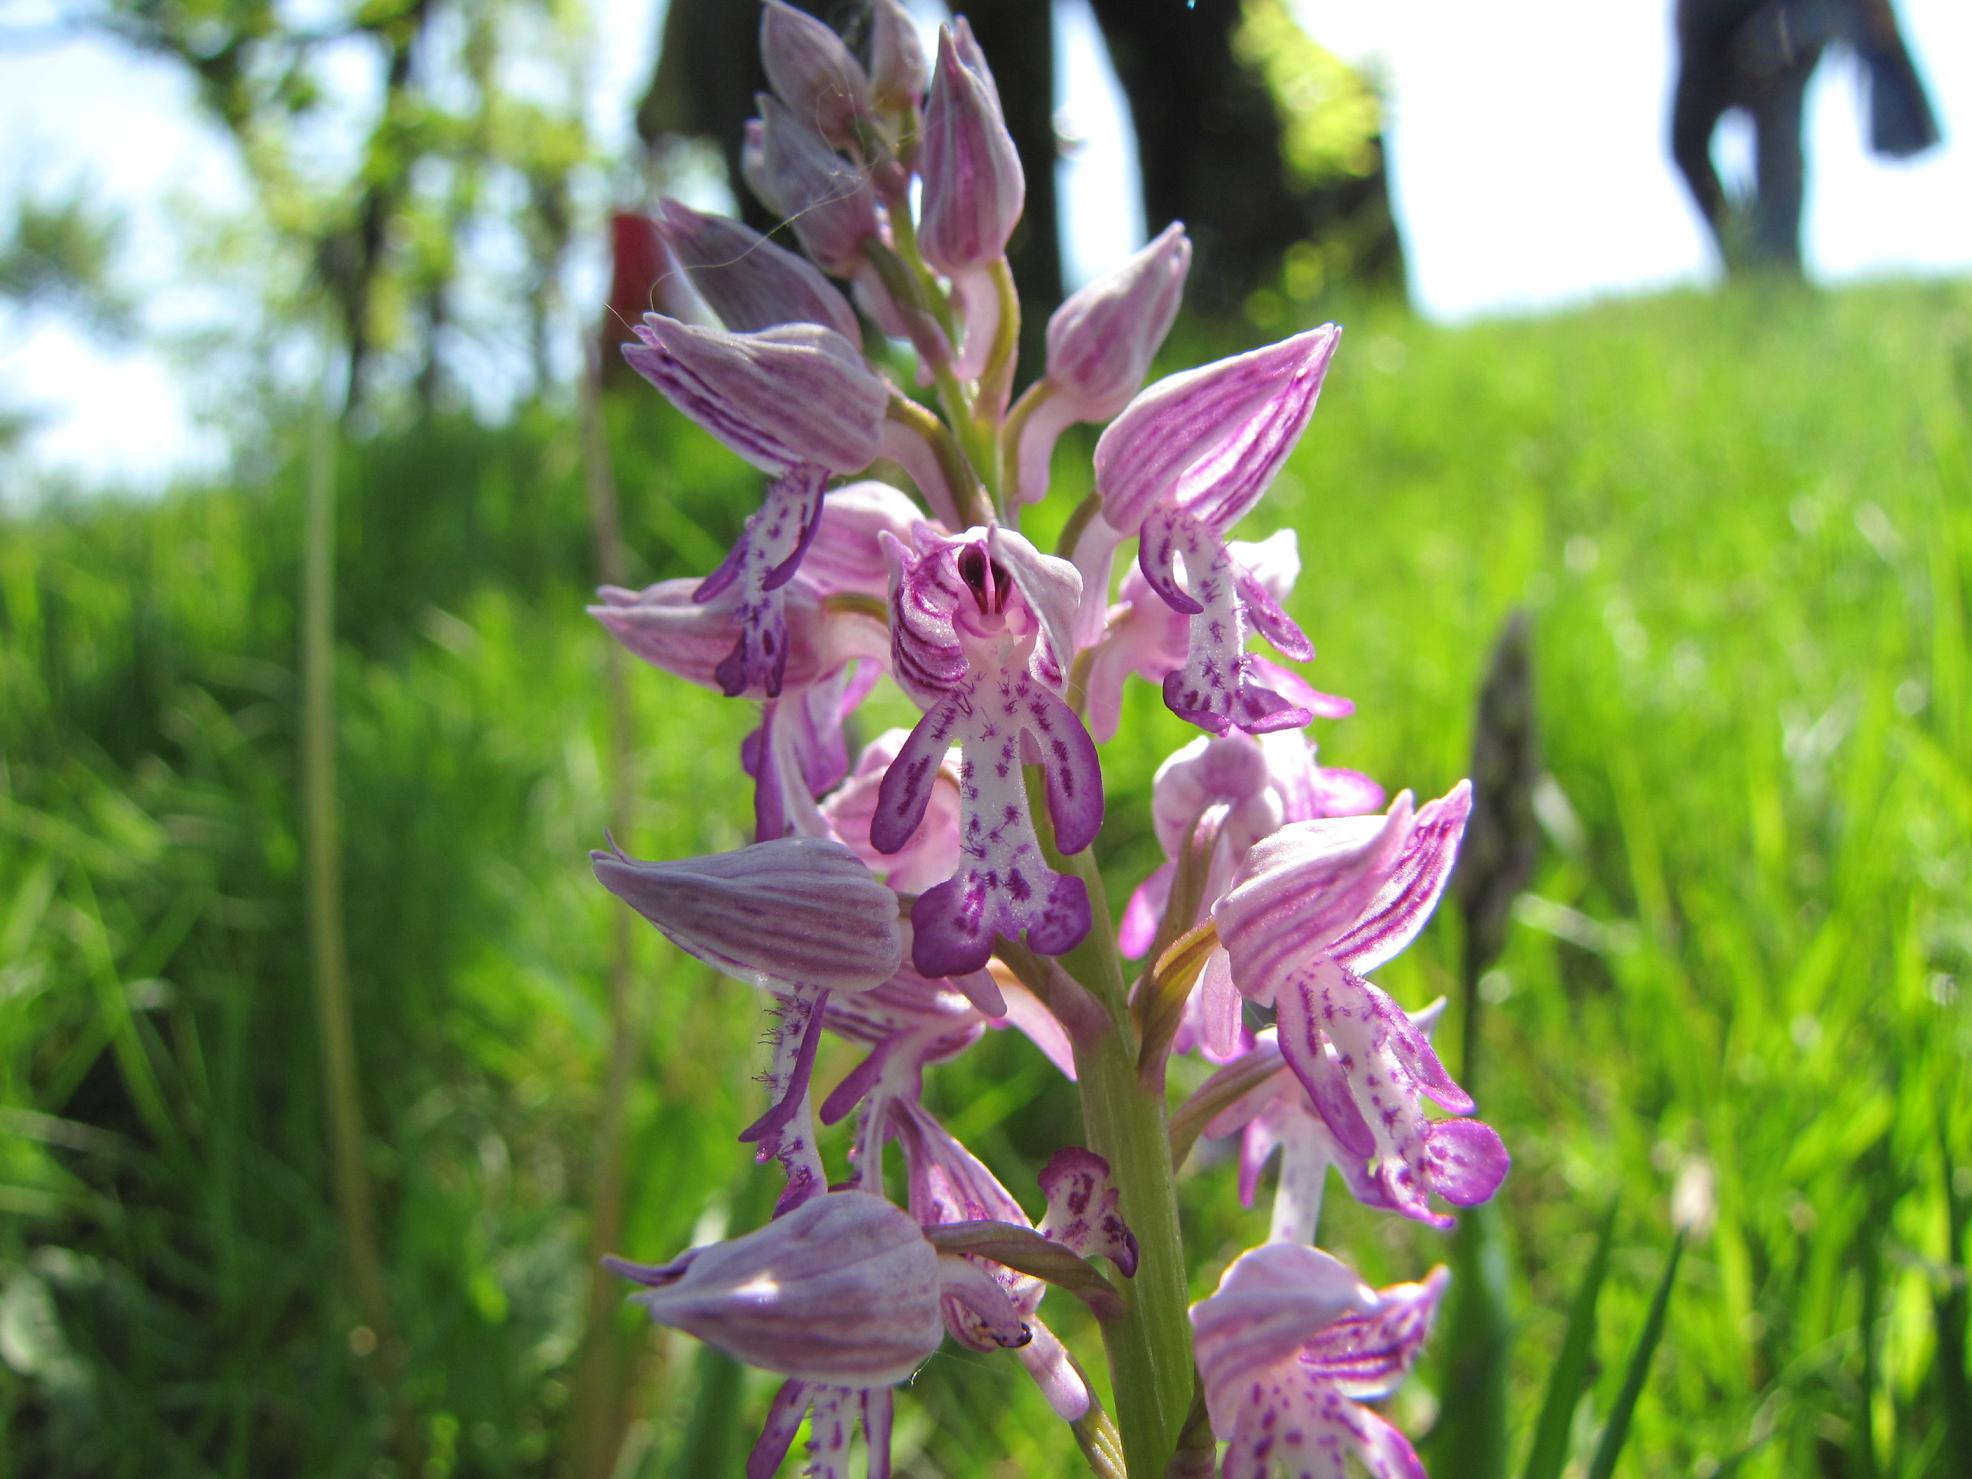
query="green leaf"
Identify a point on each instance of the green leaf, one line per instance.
(1618, 1427)
(1570, 1375)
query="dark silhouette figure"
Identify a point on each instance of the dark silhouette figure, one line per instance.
(1758, 55)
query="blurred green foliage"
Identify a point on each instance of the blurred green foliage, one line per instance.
(59, 252)
(1742, 526)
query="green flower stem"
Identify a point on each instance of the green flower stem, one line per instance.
(1086, 510)
(996, 380)
(967, 492)
(981, 443)
(1149, 1347)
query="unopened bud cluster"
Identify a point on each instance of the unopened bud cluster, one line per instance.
(939, 882)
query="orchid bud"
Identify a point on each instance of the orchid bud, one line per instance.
(828, 200)
(753, 166)
(798, 909)
(843, 1289)
(973, 185)
(813, 72)
(1101, 340)
(778, 397)
(1207, 442)
(747, 280)
(896, 56)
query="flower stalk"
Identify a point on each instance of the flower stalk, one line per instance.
(1123, 1117)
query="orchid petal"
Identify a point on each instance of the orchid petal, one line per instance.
(1402, 905)
(1100, 341)
(904, 794)
(1365, 1355)
(1207, 442)
(813, 72)
(1302, 887)
(1305, 1008)
(1267, 1304)
(1466, 1159)
(842, 1289)
(1051, 588)
(786, 1132)
(1217, 687)
(1138, 931)
(1084, 1208)
(930, 850)
(750, 282)
(1041, 1027)
(828, 201)
(845, 556)
(896, 55)
(763, 560)
(777, 1436)
(879, 1409)
(831, 1410)
(777, 397)
(799, 909)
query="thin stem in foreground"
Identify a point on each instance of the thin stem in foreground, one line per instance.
(329, 975)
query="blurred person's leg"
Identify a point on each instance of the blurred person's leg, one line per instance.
(1780, 169)
(1702, 96)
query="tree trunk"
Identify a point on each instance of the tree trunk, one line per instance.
(1209, 148)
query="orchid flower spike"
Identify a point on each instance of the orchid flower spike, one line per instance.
(979, 636)
(1290, 1346)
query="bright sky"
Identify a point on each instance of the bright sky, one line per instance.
(1526, 141)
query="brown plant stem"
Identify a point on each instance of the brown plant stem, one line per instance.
(597, 1423)
(335, 1031)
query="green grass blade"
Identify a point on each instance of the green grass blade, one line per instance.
(1469, 1440)
(1949, 1314)
(1618, 1427)
(1571, 1367)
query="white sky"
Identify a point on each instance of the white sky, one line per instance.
(1526, 141)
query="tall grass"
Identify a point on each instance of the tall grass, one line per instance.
(1742, 526)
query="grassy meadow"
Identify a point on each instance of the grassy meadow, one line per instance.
(1741, 525)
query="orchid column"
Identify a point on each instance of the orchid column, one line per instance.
(943, 881)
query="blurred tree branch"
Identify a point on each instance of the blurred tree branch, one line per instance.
(447, 133)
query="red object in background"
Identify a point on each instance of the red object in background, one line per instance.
(637, 260)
